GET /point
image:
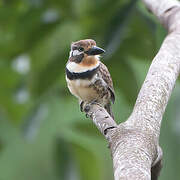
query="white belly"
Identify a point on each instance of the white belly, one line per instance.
(81, 89)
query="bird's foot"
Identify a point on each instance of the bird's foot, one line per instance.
(85, 106)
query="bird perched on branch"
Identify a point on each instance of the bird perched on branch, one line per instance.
(87, 77)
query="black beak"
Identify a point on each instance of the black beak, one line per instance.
(95, 51)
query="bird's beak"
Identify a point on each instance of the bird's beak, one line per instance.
(95, 51)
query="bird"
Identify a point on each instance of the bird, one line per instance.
(87, 77)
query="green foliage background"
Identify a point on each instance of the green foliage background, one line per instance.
(43, 135)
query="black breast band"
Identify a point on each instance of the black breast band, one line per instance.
(82, 75)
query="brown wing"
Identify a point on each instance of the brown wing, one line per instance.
(107, 78)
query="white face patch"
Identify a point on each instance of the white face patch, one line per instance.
(75, 53)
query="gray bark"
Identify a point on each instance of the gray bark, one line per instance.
(134, 144)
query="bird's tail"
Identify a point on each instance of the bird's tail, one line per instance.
(108, 108)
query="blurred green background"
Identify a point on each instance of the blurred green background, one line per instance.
(43, 134)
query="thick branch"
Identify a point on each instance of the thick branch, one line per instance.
(164, 70)
(134, 144)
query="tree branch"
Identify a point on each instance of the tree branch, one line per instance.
(134, 144)
(100, 117)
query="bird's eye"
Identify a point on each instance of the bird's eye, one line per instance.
(80, 49)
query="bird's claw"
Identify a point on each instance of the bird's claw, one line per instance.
(81, 106)
(85, 106)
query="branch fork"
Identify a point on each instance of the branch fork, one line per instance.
(134, 144)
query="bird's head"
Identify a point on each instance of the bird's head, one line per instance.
(84, 49)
